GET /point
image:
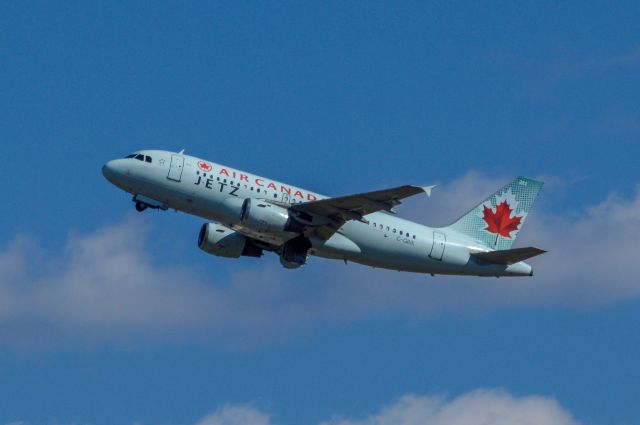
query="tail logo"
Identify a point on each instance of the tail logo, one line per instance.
(496, 221)
(500, 221)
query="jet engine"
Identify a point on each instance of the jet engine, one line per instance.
(219, 240)
(265, 217)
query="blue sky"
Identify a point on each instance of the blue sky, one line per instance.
(109, 316)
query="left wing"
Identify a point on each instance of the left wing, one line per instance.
(336, 211)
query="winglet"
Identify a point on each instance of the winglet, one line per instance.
(427, 189)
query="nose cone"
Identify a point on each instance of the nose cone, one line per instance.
(114, 171)
(109, 170)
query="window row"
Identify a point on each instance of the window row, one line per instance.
(393, 230)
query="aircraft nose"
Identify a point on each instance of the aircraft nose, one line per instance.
(112, 170)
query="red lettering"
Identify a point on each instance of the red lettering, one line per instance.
(259, 182)
(224, 171)
(272, 186)
(244, 177)
(298, 194)
(284, 189)
(311, 197)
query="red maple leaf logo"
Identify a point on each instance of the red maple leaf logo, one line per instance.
(500, 222)
(204, 166)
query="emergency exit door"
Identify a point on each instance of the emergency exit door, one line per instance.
(439, 242)
(175, 169)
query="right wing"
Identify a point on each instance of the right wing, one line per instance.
(334, 212)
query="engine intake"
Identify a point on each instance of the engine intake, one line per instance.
(221, 241)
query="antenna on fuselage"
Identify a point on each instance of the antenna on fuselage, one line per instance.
(181, 152)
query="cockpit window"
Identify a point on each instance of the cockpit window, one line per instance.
(140, 157)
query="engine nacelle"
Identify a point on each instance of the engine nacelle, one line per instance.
(219, 240)
(265, 217)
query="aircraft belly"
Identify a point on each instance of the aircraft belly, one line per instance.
(397, 252)
(337, 246)
(387, 250)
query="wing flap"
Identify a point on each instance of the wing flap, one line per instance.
(508, 256)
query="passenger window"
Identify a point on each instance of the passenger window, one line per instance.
(414, 236)
(381, 227)
(394, 230)
(147, 159)
(258, 190)
(275, 195)
(387, 228)
(231, 183)
(400, 232)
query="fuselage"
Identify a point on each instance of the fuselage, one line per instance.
(216, 192)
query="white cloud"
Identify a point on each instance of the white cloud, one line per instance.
(568, 67)
(480, 407)
(99, 283)
(104, 285)
(236, 415)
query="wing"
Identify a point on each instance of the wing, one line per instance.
(329, 214)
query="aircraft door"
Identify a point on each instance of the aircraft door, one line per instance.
(439, 242)
(175, 170)
(285, 197)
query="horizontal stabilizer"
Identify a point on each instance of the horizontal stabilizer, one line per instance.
(508, 256)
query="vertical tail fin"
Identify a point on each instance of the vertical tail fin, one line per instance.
(496, 221)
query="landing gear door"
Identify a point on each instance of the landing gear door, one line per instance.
(439, 242)
(175, 170)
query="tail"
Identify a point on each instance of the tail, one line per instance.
(496, 221)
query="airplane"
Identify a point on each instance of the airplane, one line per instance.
(248, 214)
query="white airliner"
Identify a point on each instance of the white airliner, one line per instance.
(252, 214)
